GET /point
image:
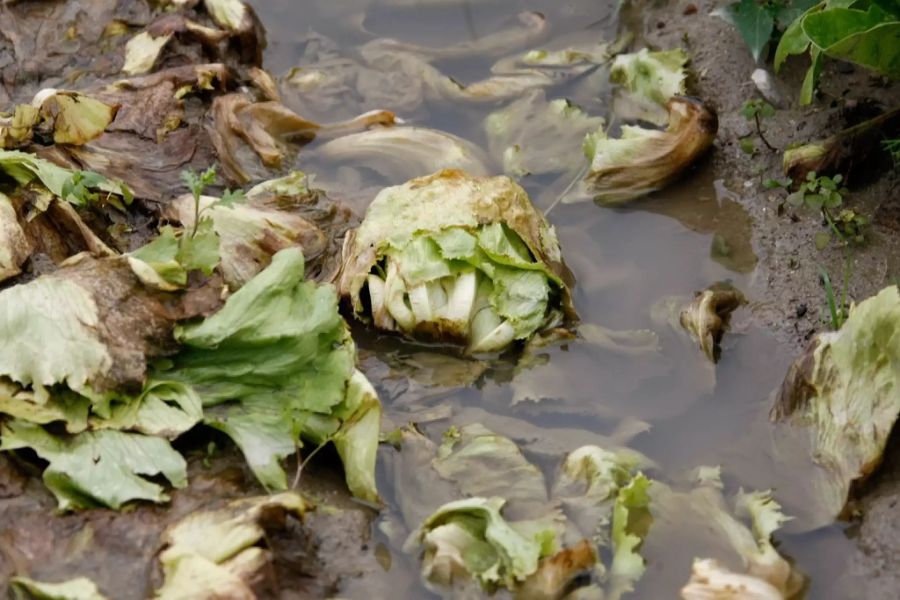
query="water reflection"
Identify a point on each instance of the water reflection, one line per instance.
(629, 379)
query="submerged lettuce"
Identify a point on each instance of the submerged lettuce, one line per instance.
(508, 531)
(456, 258)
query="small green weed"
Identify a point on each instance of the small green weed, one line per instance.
(755, 110)
(892, 147)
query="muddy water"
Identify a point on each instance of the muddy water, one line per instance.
(640, 385)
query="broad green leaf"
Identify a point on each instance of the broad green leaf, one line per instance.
(279, 360)
(156, 263)
(754, 22)
(870, 39)
(811, 80)
(99, 469)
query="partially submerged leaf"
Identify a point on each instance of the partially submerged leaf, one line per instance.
(103, 468)
(843, 392)
(741, 536)
(645, 160)
(400, 153)
(533, 136)
(710, 579)
(459, 259)
(470, 538)
(706, 318)
(215, 553)
(649, 79)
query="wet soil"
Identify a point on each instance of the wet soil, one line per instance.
(786, 291)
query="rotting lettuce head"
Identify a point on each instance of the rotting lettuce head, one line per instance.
(845, 390)
(455, 258)
(644, 160)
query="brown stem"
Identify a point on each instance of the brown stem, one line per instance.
(761, 136)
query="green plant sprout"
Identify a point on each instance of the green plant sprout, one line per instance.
(77, 190)
(892, 147)
(755, 110)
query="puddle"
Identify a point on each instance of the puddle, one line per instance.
(632, 381)
(625, 260)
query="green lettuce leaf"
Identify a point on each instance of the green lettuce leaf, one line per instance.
(51, 308)
(281, 356)
(99, 469)
(25, 167)
(471, 536)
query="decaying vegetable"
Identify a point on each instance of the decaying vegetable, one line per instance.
(40, 216)
(842, 152)
(507, 532)
(400, 153)
(253, 369)
(278, 213)
(455, 258)
(706, 318)
(844, 391)
(768, 575)
(217, 553)
(644, 160)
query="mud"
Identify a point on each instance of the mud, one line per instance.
(786, 293)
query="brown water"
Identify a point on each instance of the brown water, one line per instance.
(668, 403)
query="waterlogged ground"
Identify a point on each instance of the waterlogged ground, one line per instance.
(630, 379)
(655, 393)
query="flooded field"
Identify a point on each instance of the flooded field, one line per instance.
(649, 389)
(629, 379)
